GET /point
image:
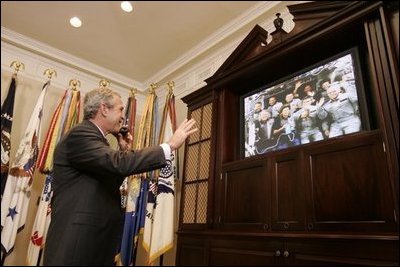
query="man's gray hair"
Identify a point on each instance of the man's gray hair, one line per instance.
(94, 98)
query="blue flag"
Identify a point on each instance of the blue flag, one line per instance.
(7, 111)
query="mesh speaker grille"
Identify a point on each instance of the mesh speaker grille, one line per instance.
(197, 168)
(204, 159)
(202, 203)
(206, 124)
(195, 137)
(192, 161)
(189, 203)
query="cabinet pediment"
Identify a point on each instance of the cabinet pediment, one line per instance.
(254, 43)
(259, 42)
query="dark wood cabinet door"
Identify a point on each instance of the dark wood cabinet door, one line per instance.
(288, 200)
(245, 252)
(341, 252)
(245, 196)
(348, 186)
(190, 251)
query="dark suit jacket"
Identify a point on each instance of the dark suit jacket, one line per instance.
(86, 218)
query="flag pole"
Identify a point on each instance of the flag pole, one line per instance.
(39, 257)
(3, 257)
(134, 254)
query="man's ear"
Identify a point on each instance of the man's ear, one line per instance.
(103, 109)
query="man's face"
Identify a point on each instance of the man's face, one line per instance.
(285, 112)
(333, 92)
(115, 116)
(308, 89)
(289, 98)
(264, 115)
(272, 101)
(325, 85)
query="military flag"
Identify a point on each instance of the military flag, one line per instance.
(129, 195)
(159, 226)
(7, 111)
(17, 192)
(135, 189)
(65, 116)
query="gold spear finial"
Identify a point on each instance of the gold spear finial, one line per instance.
(171, 85)
(17, 65)
(153, 87)
(133, 91)
(50, 73)
(104, 83)
(74, 83)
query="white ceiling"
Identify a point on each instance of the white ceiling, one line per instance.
(136, 45)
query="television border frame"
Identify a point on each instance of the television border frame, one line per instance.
(360, 89)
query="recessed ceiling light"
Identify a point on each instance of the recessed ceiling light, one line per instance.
(75, 22)
(126, 6)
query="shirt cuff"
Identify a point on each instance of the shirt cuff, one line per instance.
(167, 151)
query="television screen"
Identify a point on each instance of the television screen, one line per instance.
(315, 104)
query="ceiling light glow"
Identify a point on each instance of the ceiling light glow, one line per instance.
(75, 22)
(126, 6)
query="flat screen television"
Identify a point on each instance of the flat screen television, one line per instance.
(317, 103)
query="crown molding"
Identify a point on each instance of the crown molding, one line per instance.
(192, 79)
(215, 38)
(35, 66)
(46, 51)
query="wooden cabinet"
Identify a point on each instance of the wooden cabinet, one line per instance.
(191, 251)
(264, 194)
(343, 252)
(198, 162)
(244, 252)
(348, 186)
(331, 202)
(288, 192)
(343, 185)
(230, 249)
(243, 185)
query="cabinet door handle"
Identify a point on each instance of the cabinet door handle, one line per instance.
(277, 253)
(286, 254)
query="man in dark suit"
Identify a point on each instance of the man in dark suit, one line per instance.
(86, 218)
